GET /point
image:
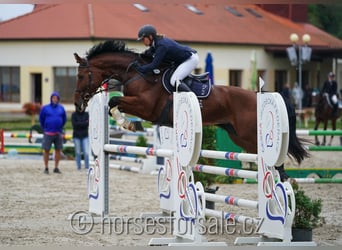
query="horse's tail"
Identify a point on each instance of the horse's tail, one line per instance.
(296, 148)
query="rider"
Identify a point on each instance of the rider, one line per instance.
(330, 87)
(163, 50)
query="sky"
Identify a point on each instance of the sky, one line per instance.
(8, 11)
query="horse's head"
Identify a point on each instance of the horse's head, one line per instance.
(86, 85)
(107, 60)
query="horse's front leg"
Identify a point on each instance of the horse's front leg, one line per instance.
(120, 119)
(333, 123)
(324, 136)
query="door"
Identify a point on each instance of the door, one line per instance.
(36, 87)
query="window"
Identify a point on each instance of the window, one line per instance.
(254, 13)
(65, 82)
(280, 80)
(233, 11)
(235, 77)
(193, 9)
(9, 84)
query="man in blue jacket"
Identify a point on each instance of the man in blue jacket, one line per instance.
(166, 50)
(52, 119)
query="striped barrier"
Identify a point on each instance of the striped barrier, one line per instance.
(305, 180)
(24, 148)
(324, 148)
(318, 132)
(28, 135)
(323, 133)
(29, 148)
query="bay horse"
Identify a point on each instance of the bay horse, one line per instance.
(324, 114)
(232, 108)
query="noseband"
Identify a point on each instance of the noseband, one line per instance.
(104, 86)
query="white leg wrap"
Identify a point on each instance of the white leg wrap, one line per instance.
(117, 116)
(121, 120)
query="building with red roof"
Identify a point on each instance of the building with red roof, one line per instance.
(37, 48)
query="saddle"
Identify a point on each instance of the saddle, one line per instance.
(330, 102)
(199, 84)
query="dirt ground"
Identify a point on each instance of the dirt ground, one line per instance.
(34, 207)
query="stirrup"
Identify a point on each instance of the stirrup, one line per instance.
(182, 87)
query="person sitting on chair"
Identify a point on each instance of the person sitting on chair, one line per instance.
(164, 50)
(330, 87)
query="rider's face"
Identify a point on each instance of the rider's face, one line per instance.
(147, 40)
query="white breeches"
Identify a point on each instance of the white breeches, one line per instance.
(184, 69)
(334, 99)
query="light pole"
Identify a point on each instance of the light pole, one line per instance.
(304, 55)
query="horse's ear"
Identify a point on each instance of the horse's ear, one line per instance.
(78, 58)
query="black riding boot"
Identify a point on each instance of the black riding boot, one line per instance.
(183, 87)
(335, 108)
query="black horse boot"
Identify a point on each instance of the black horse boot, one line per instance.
(182, 87)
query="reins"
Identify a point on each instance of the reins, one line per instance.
(107, 84)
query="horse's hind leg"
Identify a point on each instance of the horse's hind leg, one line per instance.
(282, 173)
(316, 137)
(333, 123)
(324, 136)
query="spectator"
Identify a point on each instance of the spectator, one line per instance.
(286, 91)
(307, 98)
(52, 119)
(80, 124)
(297, 94)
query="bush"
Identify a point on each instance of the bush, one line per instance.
(307, 212)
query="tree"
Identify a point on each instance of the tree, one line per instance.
(327, 17)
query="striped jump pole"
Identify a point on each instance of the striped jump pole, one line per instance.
(231, 200)
(138, 150)
(222, 155)
(126, 158)
(305, 180)
(232, 216)
(28, 135)
(318, 132)
(226, 171)
(125, 168)
(324, 148)
(319, 180)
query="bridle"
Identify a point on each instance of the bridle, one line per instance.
(87, 94)
(108, 83)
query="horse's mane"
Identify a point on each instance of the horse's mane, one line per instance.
(108, 46)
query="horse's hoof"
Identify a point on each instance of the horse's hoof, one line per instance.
(138, 126)
(131, 127)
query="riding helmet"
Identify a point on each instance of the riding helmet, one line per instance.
(146, 30)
